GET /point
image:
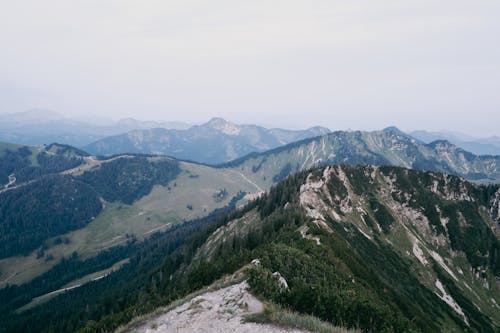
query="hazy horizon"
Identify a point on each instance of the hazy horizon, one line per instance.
(417, 65)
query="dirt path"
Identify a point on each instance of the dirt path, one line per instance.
(12, 180)
(248, 180)
(219, 311)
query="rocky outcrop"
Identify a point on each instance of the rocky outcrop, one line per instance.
(220, 311)
(495, 207)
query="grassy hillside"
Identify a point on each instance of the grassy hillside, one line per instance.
(387, 147)
(386, 249)
(194, 192)
(135, 196)
(55, 204)
(381, 249)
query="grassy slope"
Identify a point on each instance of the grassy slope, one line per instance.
(378, 147)
(194, 188)
(375, 275)
(163, 207)
(410, 223)
(4, 146)
(73, 284)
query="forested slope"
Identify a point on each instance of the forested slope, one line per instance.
(383, 249)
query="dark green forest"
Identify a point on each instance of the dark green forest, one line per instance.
(55, 204)
(53, 158)
(103, 305)
(350, 281)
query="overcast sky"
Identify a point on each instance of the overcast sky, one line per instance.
(416, 64)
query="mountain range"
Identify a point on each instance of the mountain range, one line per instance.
(38, 127)
(479, 146)
(381, 249)
(386, 147)
(143, 193)
(214, 142)
(68, 218)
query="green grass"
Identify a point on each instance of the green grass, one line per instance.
(273, 314)
(163, 207)
(4, 146)
(20, 269)
(75, 283)
(276, 315)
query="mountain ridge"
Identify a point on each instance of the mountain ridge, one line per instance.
(214, 142)
(38, 127)
(480, 146)
(367, 247)
(385, 147)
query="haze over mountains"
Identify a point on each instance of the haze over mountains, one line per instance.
(214, 142)
(153, 200)
(479, 146)
(38, 127)
(250, 166)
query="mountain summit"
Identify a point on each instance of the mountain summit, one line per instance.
(223, 126)
(214, 142)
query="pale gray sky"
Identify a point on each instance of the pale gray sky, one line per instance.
(343, 64)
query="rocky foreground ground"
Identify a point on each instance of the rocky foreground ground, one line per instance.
(220, 311)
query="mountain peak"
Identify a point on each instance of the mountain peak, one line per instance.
(224, 126)
(217, 121)
(394, 130)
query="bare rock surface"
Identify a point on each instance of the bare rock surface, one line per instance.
(219, 311)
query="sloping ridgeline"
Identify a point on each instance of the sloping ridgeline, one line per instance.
(56, 204)
(25, 163)
(386, 147)
(157, 274)
(375, 248)
(383, 249)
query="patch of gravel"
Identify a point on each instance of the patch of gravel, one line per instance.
(220, 311)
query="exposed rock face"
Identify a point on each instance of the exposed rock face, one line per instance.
(428, 216)
(495, 207)
(427, 236)
(220, 311)
(387, 147)
(432, 226)
(214, 142)
(283, 285)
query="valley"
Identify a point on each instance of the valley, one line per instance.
(189, 196)
(142, 197)
(252, 166)
(192, 193)
(382, 247)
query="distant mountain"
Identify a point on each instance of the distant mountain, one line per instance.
(38, 127)
(214, 142)
(387, 147)
(58, 192)
(480, 146)
(157, 201)
(19, 164)
(57, 200)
